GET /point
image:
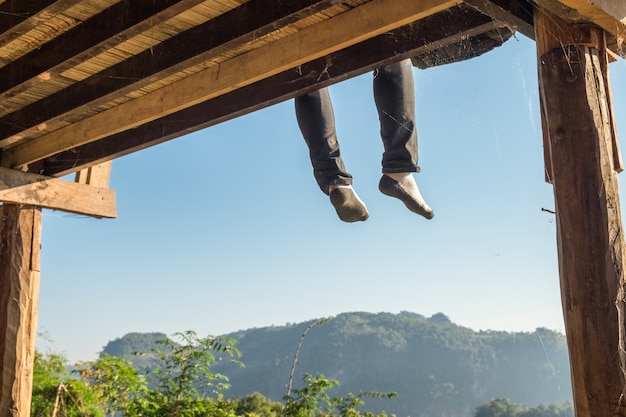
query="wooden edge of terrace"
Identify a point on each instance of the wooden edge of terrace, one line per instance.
(26, 189)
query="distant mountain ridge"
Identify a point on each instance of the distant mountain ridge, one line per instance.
(437, 367)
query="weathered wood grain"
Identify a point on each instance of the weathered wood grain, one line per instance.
(20, 231)
(413, 39)
(589, 224)
(37, 190)
(607, 14)
(119, 22)
(372, 19)
(96, 175)
(226, 32)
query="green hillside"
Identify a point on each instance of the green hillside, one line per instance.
(437, 367)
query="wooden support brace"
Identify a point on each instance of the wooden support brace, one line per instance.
(512, 13)
(20, 235)
(97, 175)
(41, 191)
(592, 256)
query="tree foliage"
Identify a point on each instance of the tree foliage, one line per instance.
(313, 400)
(503, 407)
(435, 366)
(184, 385)
(256, 405)
(115, 382)
(57, 394)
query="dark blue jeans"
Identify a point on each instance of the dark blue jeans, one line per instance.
(395, 101)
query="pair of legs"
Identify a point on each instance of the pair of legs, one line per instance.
(395, 101)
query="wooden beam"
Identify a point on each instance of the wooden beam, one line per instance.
(607, 14)
(228, 31)
(112, 26)
(518, 15)
(414, 39)
(20, 16)
(15, 12)
(37, 190)
(373, 18)
(592, 255)
(20, 237)
(97, 175)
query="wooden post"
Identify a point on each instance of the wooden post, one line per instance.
(20, 231)
(580, 141)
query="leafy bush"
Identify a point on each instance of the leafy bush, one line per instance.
(182, 385)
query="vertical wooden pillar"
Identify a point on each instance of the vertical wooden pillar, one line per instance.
(20, 231)
(581, 152)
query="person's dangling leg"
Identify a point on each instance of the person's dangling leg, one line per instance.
(316, 119)
(395, 101)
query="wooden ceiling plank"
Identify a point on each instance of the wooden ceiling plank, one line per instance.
(119, 22)
(20, 16)
(37, 190)
(418, 37)
(227, 31)
(372, 19)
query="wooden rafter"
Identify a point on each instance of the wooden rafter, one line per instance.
(401, 43)
(119, 22)
(20, 16)
(373, 18)
(518, 15)
(228, 31)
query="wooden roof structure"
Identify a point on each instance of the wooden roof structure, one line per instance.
(85, 81)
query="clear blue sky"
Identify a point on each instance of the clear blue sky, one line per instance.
(225, 229)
